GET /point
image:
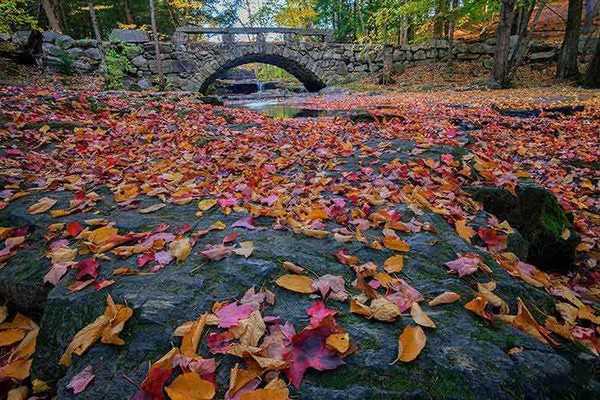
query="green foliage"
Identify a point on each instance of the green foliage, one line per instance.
(66, 62)
(117, 64)
(14, 15)
(266, 72)
(297, 14)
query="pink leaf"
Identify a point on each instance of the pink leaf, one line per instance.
(217, 252)
(318, 311)
(464, 265)
(56, 272)
(87, 267)
(232, 313)
(81, 381)
(245, 222)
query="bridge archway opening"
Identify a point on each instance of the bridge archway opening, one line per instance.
(309, 79)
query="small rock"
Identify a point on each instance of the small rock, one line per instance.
(537, 215)
(93, 53)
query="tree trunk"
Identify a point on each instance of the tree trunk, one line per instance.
(441, 9)
(128, 15)
(95, 28)
(53, 20)
(501, 68)
(592, 75)
(567, 67)
(161, 77)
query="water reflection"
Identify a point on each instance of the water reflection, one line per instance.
(278, 110)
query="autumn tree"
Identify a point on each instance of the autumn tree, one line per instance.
(567, 67)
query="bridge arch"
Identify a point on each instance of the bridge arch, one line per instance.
(311, 81)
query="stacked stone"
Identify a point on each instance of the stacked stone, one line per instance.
(85, 54)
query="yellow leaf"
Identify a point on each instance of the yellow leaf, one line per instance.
(339, 341)
(180, 249)
(43, 205)
(253, 328)
(394, 243)
(219, 225)
(444, 298)
(246, 248)
(420, 317)
(296, 283)
(39, 386)
(477, 306)
(206, 204)
(314, 233)
(410, 343)
(463, 230)
(359, 308)
(126, 193)
(3, 313)
(239, 377)
(384, 310)
(394, 264)
(18, 370)
(266, 394)
(102, 235)
(19, 393)
(26, 348)
(107, 326)
(189, 343)
(189, 386)
(11, 336)
(269, 363)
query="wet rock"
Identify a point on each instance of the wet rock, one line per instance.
(463, 358)
(536, 214)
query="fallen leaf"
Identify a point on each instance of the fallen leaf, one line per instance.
(296, 283)
(106, 327)
(190, 386)
(394, 264)
(11, 336)
(395, 243)
(293, 268)
(42, 205)
(410, 343)
(266, 394)
(420, 317)
(444, 298)
(340, 342)
(245, 249)
(189, 342)
(180, 249)
(464, 265)
(152, 208)
(206, 204)
(19, 393)
(463, 230)
(81, 381)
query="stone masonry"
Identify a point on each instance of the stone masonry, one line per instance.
(194, 65)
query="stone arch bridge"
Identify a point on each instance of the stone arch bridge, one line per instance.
(309, 55)
(196, 56)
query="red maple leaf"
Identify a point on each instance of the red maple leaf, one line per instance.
(87, 267)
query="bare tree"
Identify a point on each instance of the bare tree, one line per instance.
(567, 67)
(161, 76)
(53, 19)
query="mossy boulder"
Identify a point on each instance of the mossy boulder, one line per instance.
(539, 218)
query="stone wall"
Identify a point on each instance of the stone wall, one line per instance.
(194, 65)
